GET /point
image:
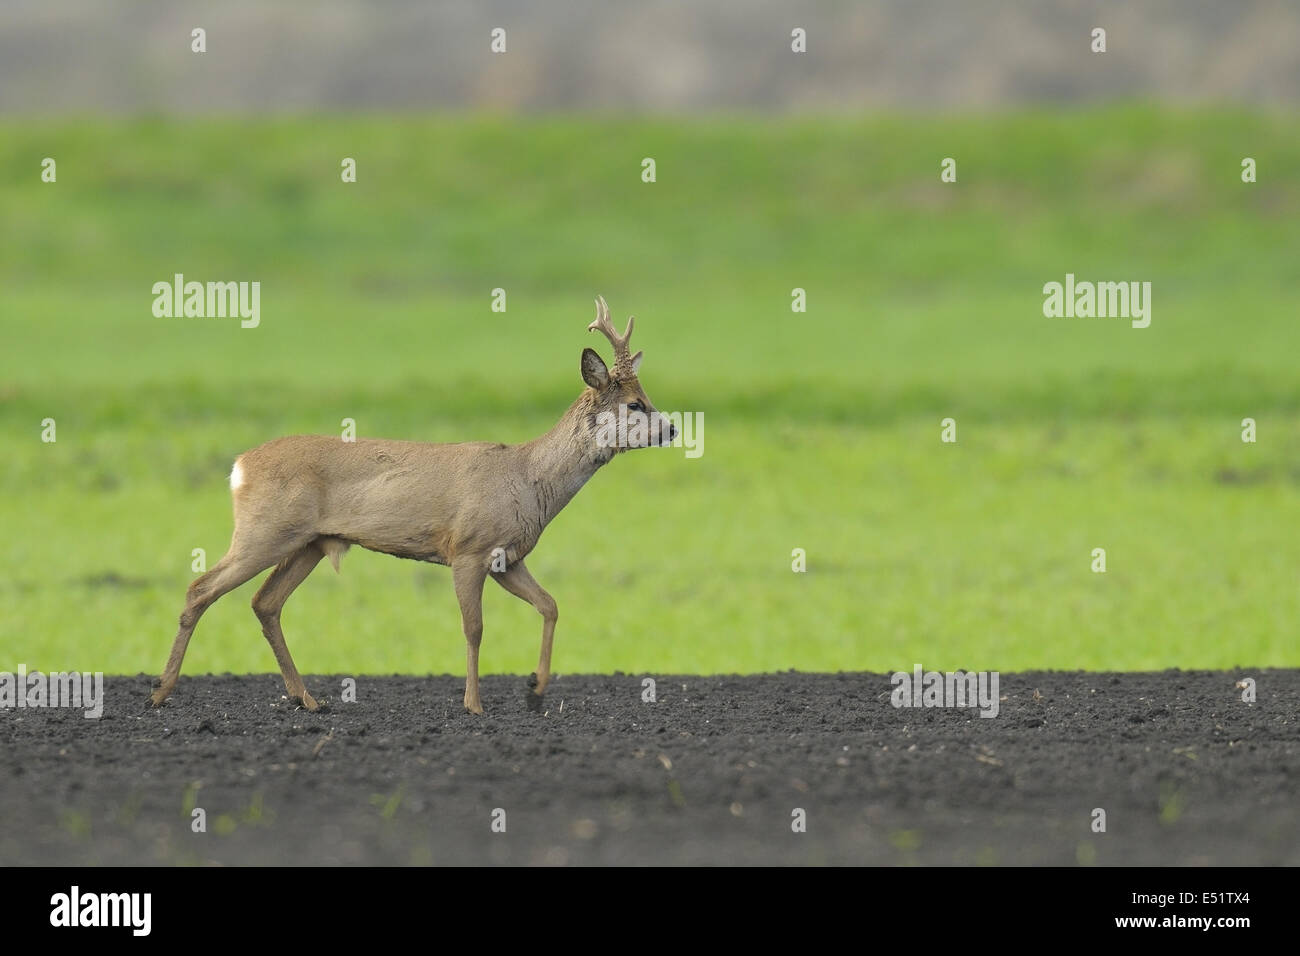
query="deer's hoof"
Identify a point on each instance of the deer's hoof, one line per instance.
(306, 702)
(538, 686)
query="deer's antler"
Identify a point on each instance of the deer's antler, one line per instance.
(606, 328)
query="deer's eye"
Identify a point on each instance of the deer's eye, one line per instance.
(635, 407)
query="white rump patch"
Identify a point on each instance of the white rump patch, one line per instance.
(236, 476)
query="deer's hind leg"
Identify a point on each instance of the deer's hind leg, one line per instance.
(249, 555)
(269, 601)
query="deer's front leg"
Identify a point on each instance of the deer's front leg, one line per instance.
(467, 575)
(523, 585)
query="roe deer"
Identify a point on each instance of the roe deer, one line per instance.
(466, 505)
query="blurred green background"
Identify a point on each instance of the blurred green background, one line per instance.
(821, 428)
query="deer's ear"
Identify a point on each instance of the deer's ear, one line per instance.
(594, 372)
(636, 361)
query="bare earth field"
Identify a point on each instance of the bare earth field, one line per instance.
(710, 773)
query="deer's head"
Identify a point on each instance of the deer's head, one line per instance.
(621, 413)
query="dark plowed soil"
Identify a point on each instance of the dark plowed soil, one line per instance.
(712, 772)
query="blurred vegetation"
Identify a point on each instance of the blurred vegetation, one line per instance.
(821, 428)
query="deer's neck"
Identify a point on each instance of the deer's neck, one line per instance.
(564, 459)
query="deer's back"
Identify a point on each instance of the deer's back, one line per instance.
(413, 499)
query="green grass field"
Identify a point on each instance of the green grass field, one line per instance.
(821, 429)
